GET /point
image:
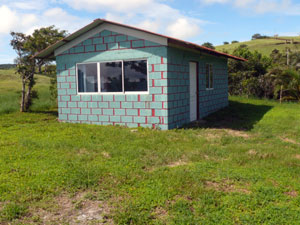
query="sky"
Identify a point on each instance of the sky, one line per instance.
(197, 21)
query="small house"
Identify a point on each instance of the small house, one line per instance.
(114, 74)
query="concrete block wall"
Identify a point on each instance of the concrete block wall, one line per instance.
(132, 110)
(178, 85)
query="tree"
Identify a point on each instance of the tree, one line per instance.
(233, 42)
(26, 46)
(256, 36)
(208, 45)
(226, 43)
(41, 39)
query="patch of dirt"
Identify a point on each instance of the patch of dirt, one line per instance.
(83, 151)
(288, 140)
(225, 186)
(252, 152)
(291, 193)
(106, 155)
(160, 213)
(297, 156)
(237, 133)
(74, 210)
(177, 163)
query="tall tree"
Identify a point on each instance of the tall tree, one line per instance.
(26, 46)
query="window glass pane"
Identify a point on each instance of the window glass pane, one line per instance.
(211, 77)
(135, 75)
(111, 76)
(87, 77)
(207, 75)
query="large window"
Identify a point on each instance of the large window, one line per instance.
(209, 76)
(113, 77)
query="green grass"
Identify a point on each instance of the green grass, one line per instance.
(10, 89)
(264, 46)
(240, 167)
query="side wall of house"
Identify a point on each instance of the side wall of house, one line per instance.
(132, 110)
(178, 85)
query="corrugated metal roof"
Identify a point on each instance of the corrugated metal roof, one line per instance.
(49, 51)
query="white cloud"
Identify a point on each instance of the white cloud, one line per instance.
(182, 28)
(13, 20)
(285, 7)
(152, 15)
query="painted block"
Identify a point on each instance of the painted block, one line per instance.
(126, 105)
(72, 117)
(155, 105)
(119, 98)
(103, 118)
(119, 112)
(93, 118)
(132, 112)
(115, 104)
(131, 98)
(115, 118)
(75, 110)
(155, 90)
(139, 105)
(82, 117)
(71, 91)
(109, 39)
(125, 44)
(97, 111)
(103, 104)
(90, 48)
(101, 47)
(87, 98)
(82, 104)
(153, 120)
(126, 119)
(98, 40)
(93, 105)
(161, 98)
(72, 104)
(112, 46)
(66, 110)
(108, 98)
(161, 112)
(96, 98)
(62, 116)
(86, 111)
(121, 38)
(138, 44)
(107, 111)
(145, 112)
(139, 119)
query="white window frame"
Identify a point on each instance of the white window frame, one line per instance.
(210, 73)
(99, 79)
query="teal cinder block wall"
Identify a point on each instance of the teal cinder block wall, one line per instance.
(166, 106)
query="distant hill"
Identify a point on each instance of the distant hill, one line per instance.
(265, 46)
(7, 66)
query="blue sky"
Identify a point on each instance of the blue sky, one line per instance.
(194, 20)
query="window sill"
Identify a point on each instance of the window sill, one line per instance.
(114, 93)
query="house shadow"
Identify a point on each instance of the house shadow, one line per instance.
(46, 112)
(236, 116)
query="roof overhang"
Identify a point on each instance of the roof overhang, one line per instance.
(49, 52)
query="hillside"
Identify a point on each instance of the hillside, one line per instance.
(264, 46)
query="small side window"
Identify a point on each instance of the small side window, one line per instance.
(209, 76)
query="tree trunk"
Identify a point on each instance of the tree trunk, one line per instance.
(40, 68)
(22, 109)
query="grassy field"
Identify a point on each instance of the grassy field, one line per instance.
(242, 166)
(264, 46)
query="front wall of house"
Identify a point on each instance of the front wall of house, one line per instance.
(132, 110)
(178, 85)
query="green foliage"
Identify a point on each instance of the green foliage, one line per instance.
(233, 42)
(26, 46)
(12, 211)
(208, 45)
(226, 43)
